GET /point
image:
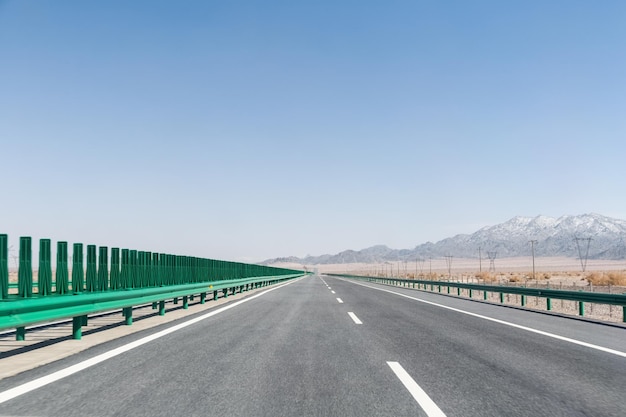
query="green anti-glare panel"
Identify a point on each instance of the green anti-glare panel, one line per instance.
(25, 270)
(133, 269)
(115, 268)
(91, 279)
(78, 272)
(103, 268)
(61, 269)
(125, 271)
(4, 266)
(44, 279)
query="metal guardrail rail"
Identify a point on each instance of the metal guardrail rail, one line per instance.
(19, 313)
(579, 296)
(123, 279)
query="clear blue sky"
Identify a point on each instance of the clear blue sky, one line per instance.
(248, 130)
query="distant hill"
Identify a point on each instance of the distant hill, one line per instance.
(555, 237)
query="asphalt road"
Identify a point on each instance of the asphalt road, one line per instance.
(295, 351)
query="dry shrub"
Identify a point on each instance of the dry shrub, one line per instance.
(611, 278)
(514, 278)
(596, 278)
(617, 278)
(545, 275)
(486, 277)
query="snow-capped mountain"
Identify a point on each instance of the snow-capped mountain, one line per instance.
(553, 236)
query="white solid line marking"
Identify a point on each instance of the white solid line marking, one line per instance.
(416, 391)
(354, 317)
(55, 376)
(506, 323)
(339, 300)
(333, 292)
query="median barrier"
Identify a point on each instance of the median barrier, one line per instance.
(131, 278)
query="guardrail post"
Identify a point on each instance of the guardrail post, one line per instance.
(470, 293)
(44, 276)
(523, 300)
(484, 295)
(624, 312)
(25, 270)
(501, 298)
(77, 323)
(215, 295)
(162, 308)
(581, 308)
(20, 334)
(175, 300)
(458, 291)
(185, 302)
(548, 304)
(4, 266)
(448, 289)
(128, 315)
(439, 287)
(202, 298)
(154, 305)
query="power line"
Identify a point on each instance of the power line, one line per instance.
(532, 244)
(449, 264)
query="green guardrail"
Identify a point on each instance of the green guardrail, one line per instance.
(19, 313)
(122, 279)
(581, 297)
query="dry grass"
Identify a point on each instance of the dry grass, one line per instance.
(606, 278)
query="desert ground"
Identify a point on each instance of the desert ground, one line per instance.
(555, 273)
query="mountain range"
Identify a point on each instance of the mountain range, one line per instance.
(571, 236)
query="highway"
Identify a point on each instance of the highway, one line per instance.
(323, 346)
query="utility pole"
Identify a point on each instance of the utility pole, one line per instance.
(430, 263)
(583, 265)
(492, 260)
(532, 244)
(449, 264)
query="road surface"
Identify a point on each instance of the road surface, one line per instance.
(323, 346)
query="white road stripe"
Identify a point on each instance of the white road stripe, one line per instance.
(55, 376)
(416, 391)
(339, 300)
(506, 323)
(333, 292)
(354, 317)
